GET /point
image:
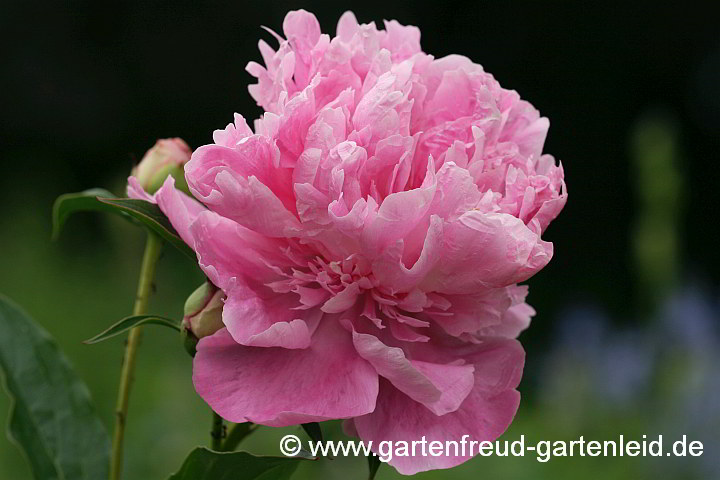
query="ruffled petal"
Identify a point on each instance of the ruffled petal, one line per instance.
(267, 322)
(228, 251)
(484, 415)
(441, 388)
(486, 250)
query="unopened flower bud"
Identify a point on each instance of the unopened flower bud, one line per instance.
(203, 311)
(166, 158)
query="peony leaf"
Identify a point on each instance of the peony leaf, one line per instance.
(65, 205)
(314, 431)
(52, 419)
(204, 464)
(139, 212)
(373, 465)
(130, 322)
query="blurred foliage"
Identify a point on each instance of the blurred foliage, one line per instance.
(656, 235)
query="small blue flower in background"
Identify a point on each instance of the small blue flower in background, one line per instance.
(666, 367)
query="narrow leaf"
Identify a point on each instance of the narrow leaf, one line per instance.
(140, 212)
(130, 322)
(204, 464)
(52, 419)
(373, 465)
(314, 431)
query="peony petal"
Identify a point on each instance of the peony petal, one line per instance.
(441, 388)
(515, 319)
(267, 322)
(216, 173)
(181, 210)
(136, 191)
(343, 300)
(398, 214)
(279, 387)
(486, 250)
(471, 313)
(483, 416)
(228, 251)
(347, 26)
(390, 267)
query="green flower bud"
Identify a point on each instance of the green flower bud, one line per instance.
(167, 158)
(203, 311)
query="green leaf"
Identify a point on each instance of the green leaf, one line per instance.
(130, 322)
(52, 419)
(314, 431)
(151, 217)
(67, 204)
(204, 464)
(140, 212)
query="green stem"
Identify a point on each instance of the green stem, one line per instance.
(217, 433)
(237, 434)
(153, 248)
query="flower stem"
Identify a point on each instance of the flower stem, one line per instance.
(237, 434)
(217, 433)
(153, 248)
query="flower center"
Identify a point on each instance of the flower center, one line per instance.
(339, 286)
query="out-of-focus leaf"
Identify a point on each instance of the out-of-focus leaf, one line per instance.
(139, 212)
(65, 205)
(52, 419)
(204, 464)
(134, 321)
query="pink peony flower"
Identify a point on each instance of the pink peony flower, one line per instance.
(369, 234)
